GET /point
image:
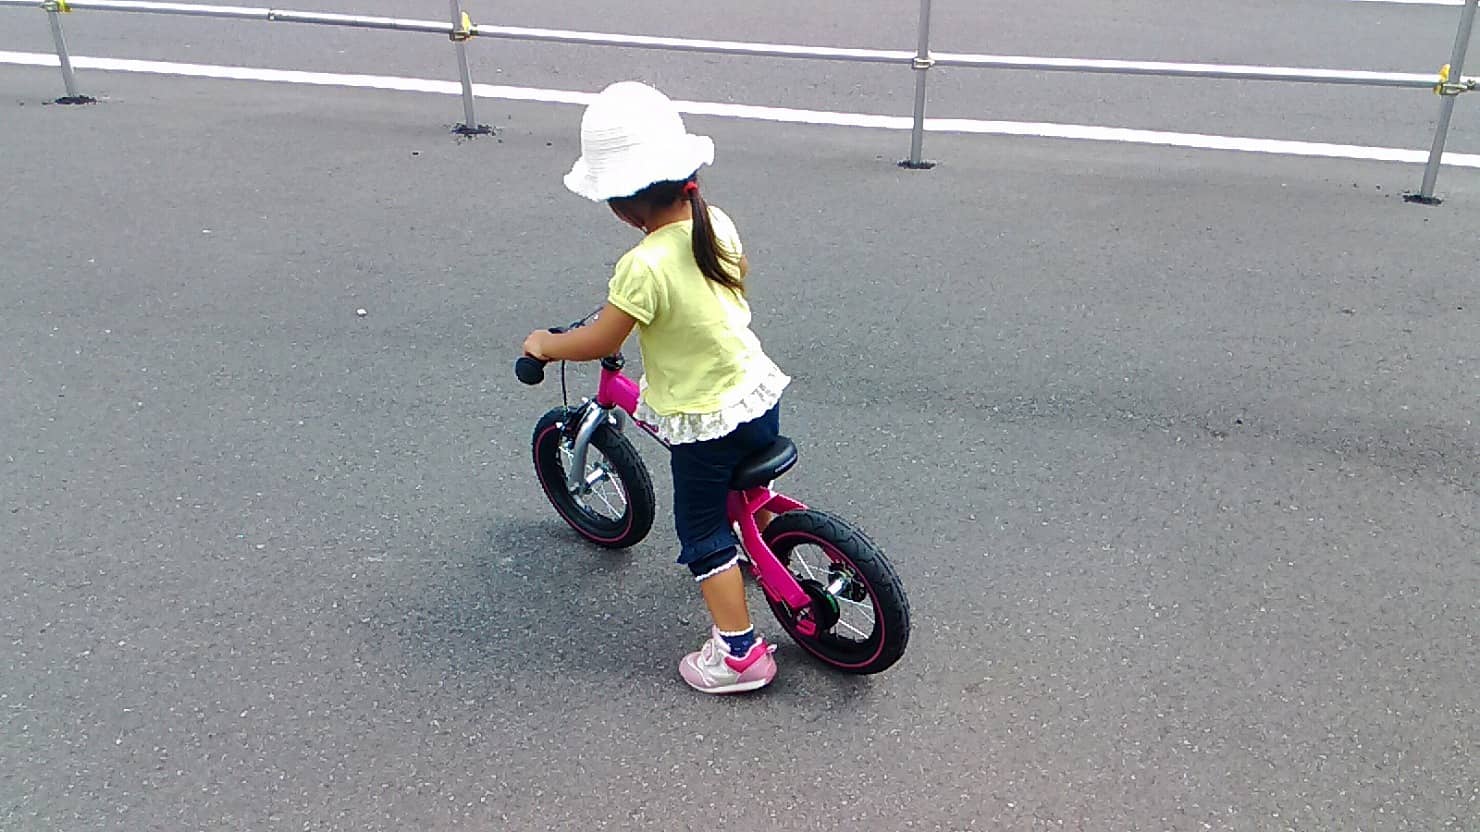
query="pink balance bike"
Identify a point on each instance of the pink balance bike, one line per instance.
(832, 588)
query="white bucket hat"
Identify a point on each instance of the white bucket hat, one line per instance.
(631, 137)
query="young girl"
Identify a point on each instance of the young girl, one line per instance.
(709, 389)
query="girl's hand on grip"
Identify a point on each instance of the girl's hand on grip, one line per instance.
(534, 345)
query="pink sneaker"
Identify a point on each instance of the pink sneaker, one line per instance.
(713, 670)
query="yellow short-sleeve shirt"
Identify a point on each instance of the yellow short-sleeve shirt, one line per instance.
(697, 347)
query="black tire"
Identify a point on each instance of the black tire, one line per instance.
(850, 553)
(618, 528)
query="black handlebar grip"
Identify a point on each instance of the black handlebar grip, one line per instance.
(529, 369)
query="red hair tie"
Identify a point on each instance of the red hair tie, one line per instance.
(690, 188)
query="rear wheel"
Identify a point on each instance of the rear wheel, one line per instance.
(615, 506)
(858, 603)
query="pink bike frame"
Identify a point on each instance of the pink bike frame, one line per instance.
(616, 390)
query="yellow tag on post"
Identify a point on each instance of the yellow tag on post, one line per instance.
(1443, 80)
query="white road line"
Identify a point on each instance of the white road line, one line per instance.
(1415, 2)
(1083, 132)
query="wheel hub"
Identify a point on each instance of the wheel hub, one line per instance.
(824, 607)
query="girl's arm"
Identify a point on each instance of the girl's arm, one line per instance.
(598, 339)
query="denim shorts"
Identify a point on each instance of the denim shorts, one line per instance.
(701, 490)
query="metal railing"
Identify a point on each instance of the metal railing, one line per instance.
(1448, 82)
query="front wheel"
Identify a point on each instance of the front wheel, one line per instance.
(858, 603)
(615, 507)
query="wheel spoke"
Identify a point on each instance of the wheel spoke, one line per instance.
(599, 479)
(615, 512)
(840, 577)
(856, 611)
(802, 560)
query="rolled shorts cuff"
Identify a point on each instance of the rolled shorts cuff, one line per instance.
(726, 564)
(704, 555)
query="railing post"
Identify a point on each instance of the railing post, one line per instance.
(54, 10)
(462, 28)
(922, 64)
(1448, 92)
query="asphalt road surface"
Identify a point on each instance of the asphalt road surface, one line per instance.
(1174, 450)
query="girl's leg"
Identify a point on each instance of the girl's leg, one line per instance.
(724, 594)
(734, 658)
(701, 489)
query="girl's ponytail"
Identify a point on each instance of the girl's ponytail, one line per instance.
(716, 262)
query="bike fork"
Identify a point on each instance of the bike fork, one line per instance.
(591, 418)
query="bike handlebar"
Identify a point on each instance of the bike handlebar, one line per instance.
(531, 370)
